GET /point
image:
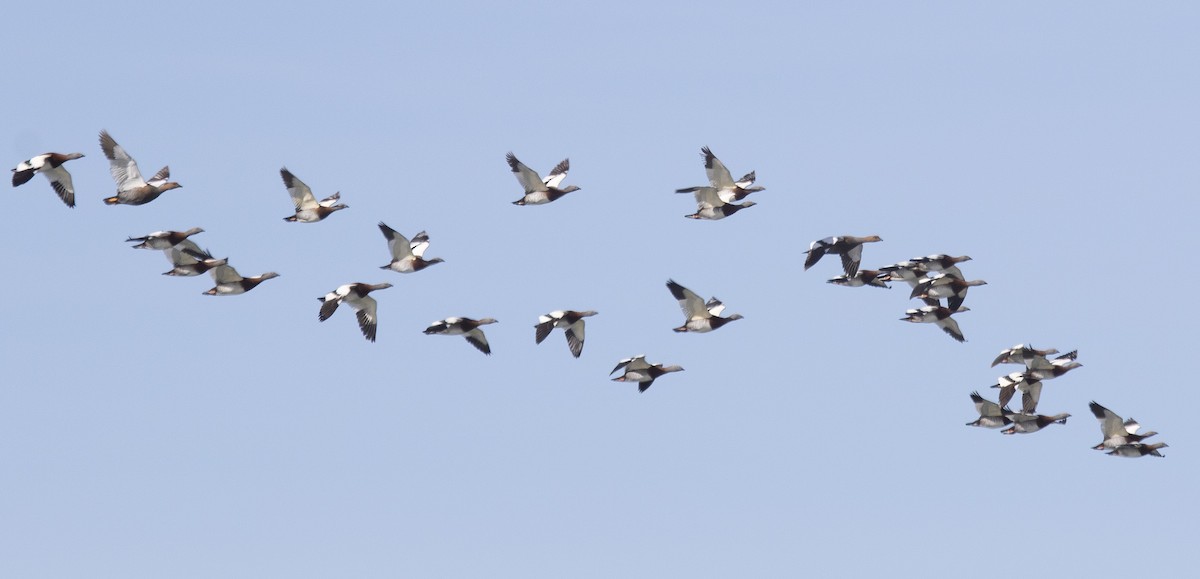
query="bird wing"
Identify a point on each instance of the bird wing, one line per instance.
(1031, 392)
(185, 253)
(60, 180)
(635, 363)
(367, 319)
(160, 178)
(950, 326)
(851, 258)
(477, 339)
(574, 333)
(543, 328)
(718, 175)
(691, 304)
(1110, 424)
(558, 173)
(419, 243)
(302, 196)
(528, 178)
(714, 307)
(123, 168)
(397, 243)
(225, 274)
(708, 197)
(816, 250)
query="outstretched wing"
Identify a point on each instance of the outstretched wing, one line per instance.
(123, 168)
(693, 307)
(557, 174)
(718, 175)
(302, 196)
(528, 178)
(397, 243)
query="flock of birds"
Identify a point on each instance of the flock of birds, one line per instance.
(931, 278)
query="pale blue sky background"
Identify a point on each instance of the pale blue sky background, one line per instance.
(147, 430)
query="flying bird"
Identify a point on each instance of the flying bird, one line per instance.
(50, 165)
(721, 185)
(355, 296)
(1031, 357)
(132, 189)
(540, 191)
(642, 372)
(1138, 449)
(937, 315)
(187, 259)
(1027, 423)
(163, 239)
(570, 321)
(229, 282)
(308, 209)
(847, 246)
(465, 327)
(407, 256)
(1117, 432)
(699, 316)
(991, 415)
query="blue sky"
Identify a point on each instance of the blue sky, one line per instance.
(148, 430)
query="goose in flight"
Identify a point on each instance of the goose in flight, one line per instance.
(1117, 432)
(407, 256)
(847, 246)
(720, 182)
(940, 316)
(570, 321)
(308, 209)
(465, 327)
(540, 191)
(50, 165)
(355, 296)
(187, 259)
(229, 282)
(132, 189)
(163, 239)
(642, 372)
(699, 316)
(991, 415)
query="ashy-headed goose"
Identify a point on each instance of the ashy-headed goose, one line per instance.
(407, 256)
(847, 246)
(1027, 423)
(1058, 366)
(905, 271)
(355, 296)
(864, 277)
(570, 321)
(50, 165)
(699, 316)
(230, 283)
(1117, 432)
(720, 181)
(1138, 449)
(937, 315)
(163, 239)
(945, 286)
(540, 191)
(187, 259)
(941, 262)
(711, 208)
(308, 209)
(1031, 357)
(1030, 388)
(465, 327)
(642, 372)
(991, 415)
(132, 189)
